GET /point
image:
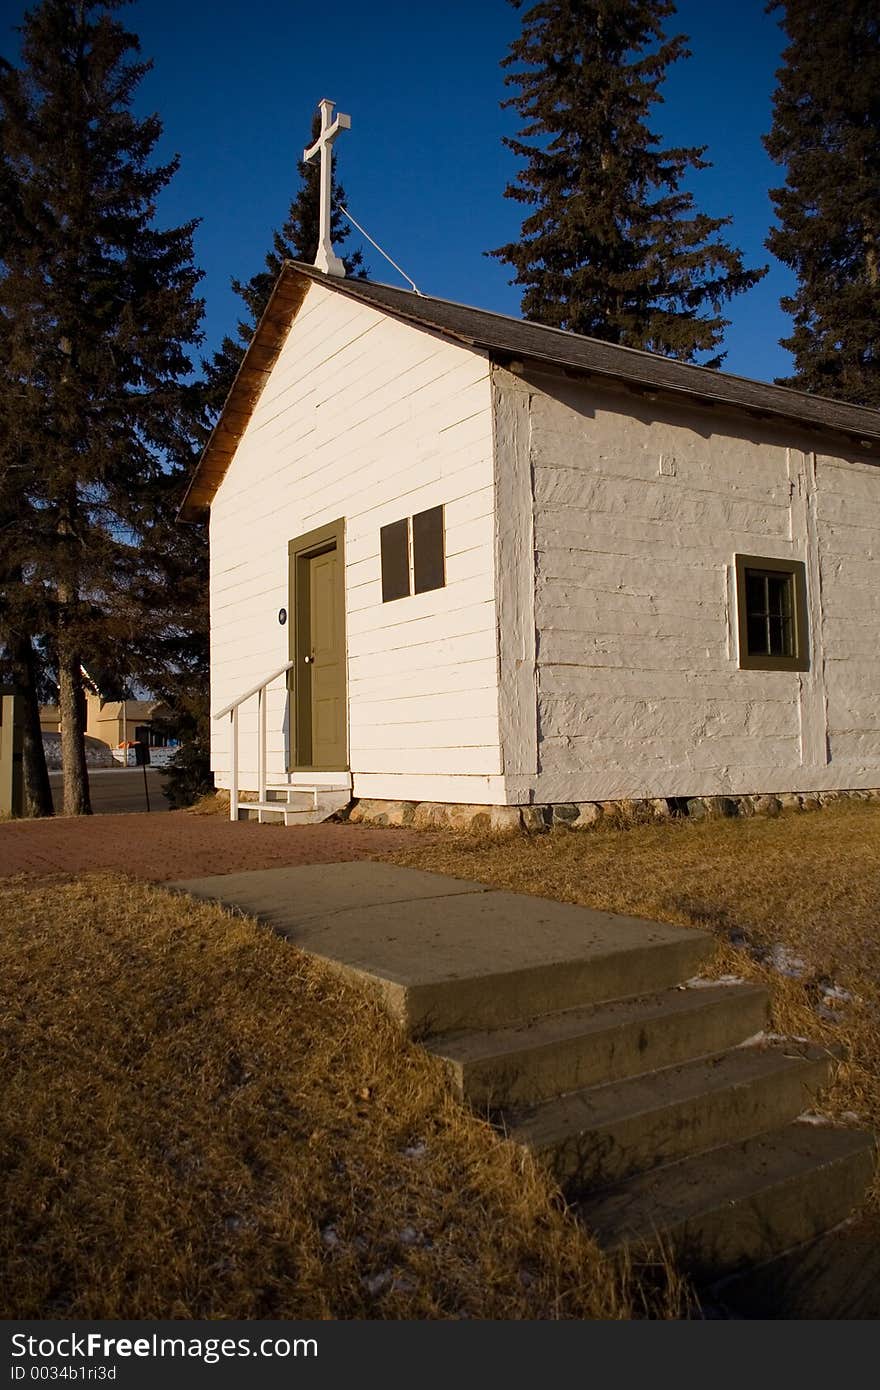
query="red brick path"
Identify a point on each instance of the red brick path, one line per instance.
(179, 845)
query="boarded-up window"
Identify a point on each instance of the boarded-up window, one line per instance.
(428, 558)
(394, 545)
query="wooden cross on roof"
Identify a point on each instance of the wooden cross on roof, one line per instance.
(326, 259)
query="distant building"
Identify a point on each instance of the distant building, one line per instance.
(117, 724)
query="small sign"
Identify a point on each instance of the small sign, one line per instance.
(282, 616)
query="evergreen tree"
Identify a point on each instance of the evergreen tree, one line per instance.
(826, 132)
(23, 614)
(169, 654)
(613, 247)
(97, 316)
(296, 241)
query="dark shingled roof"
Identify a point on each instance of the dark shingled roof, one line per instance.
(508, 339)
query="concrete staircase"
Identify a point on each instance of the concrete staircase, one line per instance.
(661, 1106)
(670, 1115)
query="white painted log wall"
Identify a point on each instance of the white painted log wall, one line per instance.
(366, 418)
(639, 693)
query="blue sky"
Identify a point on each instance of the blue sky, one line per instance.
(423, 165)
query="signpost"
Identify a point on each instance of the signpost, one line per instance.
(142, 759)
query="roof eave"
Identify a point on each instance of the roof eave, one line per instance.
(866, 439)
(285, 301)
(639, 371)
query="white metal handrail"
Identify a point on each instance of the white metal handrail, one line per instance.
(232, 710)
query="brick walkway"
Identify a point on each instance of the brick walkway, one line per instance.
(179, 845)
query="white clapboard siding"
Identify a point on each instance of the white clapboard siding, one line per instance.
(369, 419)
(637, 682)
(472, 789)
(371, 713)
(467, 761)
(477, 675)
(445, 658)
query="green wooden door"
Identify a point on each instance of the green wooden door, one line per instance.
(327, 665)
(318, 650)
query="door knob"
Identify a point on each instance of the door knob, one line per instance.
(308, 660)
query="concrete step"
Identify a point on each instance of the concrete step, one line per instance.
(444, 955)
(568, 1051)
(835, 1276)
(595, 1137)
(576, 968)
(740, 1204)
(494, 959)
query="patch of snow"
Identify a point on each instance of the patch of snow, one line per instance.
(755, 1039)
(836, 992)
(785, 962)
(698, 982)
(810, 1117)
(330, 1237)
(417, 1150)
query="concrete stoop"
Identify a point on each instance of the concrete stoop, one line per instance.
(655, 1099)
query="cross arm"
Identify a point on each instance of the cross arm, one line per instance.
(327, 136)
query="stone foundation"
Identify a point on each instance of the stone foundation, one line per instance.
(585, 815)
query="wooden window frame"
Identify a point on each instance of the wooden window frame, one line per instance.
(797, 572)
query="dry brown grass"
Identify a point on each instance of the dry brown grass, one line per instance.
(198, 1121)
(808, 881)
(211, 804)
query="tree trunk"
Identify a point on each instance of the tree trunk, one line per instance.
(71, 696)
(37, 799)
(73, 749)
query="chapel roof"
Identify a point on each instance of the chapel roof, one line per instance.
(507, 340)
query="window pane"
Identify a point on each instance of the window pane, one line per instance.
(769, 613)
(756, 593)
(394, 545)
(779, 594)
(757, 635)
(428, 559)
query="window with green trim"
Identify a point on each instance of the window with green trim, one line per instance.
(771, 598)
